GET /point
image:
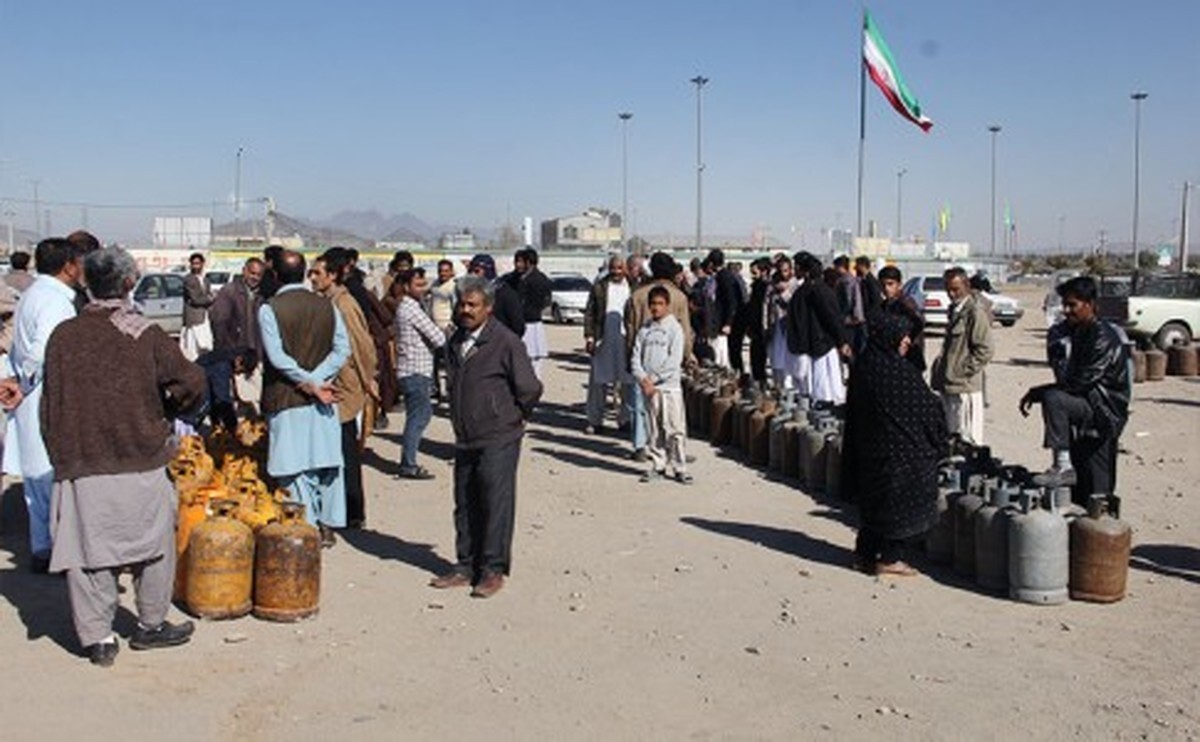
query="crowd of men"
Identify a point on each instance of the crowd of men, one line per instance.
(96, 395)
(324, 356)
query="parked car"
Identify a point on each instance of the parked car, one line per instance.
(929, 293)
(1158, 308)
(218, 279)
(159, 296)
(569, 297)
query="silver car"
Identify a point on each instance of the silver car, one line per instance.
(159, 296)
(569, 298)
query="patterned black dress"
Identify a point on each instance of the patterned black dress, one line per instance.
(895, 429)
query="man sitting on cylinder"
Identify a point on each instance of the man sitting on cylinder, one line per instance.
(1086, 408)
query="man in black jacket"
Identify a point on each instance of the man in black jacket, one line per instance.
(535, 291)
(1086, 408)
(492, 393)
(506, 305)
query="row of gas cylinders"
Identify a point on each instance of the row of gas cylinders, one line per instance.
(1181, 359)
(784, 435)
(1030, 542)
(228, 570)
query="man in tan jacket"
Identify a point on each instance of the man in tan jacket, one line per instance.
(966, 349)
(355, 383)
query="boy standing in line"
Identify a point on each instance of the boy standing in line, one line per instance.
(657, 364)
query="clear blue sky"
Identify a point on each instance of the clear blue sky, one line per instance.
(473, 112)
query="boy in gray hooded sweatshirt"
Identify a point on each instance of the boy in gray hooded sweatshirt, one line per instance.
(657, 364)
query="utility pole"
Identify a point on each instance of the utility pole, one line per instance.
(37, 210)
(994, 129)
(237, 200)
(1137, 98)
(626, 233)
(699, 81)
(1183, 227)
(899, 202)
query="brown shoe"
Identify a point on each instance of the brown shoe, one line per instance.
(488, 586)
(897, 569)
(453, 578)
(328, 538)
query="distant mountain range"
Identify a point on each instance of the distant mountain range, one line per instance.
(357, 229)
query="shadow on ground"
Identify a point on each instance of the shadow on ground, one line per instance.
(585, 461)
(794, 543)
(1169, 560)
(388, 547)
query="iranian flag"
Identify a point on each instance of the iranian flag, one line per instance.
(883, 70)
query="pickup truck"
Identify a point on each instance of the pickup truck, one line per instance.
(1157, 308)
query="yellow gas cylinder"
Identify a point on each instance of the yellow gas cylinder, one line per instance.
(220, 565)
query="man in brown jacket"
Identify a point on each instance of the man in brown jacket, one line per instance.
(355, 383)
(112, 378)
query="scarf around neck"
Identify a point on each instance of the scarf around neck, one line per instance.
(124, 316)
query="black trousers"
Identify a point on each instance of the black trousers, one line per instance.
(758, 358)
(485, 495)
(737, 340)
(1061, 413)
(356, 503)
(871, 547)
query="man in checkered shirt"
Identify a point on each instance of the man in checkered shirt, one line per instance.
(416, 339)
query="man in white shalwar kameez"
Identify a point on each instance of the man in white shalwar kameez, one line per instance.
(48, 302)
(604, 337)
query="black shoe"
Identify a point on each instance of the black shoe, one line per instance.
(102, 654)
(166, 634)
(1055, 477)
(328, 537)
(641, 456)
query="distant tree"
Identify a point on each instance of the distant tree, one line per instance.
(1058, 262)
(1097, 264)
(1147, 260)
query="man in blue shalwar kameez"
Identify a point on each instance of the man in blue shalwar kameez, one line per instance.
(305, 344)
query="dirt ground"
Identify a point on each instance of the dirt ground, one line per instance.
(723, 610)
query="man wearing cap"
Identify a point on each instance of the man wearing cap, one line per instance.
(507, 305)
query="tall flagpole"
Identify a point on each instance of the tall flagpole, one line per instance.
(862, 121)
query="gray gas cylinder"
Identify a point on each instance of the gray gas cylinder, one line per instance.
(1038, 546)
(806, 438)
(816, 442)
(775, 444)
(991, 538)
(792, 430)
(833, 461)
(977, 495)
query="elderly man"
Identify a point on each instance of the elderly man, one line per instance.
(48, 303)
(492, 393)
(1085, 410)
(966, 350)
(305, 344)
(110, 375)
(604, 338)
(355, 383)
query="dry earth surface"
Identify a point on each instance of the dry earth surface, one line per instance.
(723, 610)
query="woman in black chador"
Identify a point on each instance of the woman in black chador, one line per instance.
(895, 430)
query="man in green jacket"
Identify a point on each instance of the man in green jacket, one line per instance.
(966, 349)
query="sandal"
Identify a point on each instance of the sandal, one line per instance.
(898, 569)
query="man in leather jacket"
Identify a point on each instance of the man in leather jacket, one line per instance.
(1090, 397)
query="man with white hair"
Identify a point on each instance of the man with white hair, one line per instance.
(604, 339)
(112, 380)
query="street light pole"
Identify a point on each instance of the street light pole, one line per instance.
(699, 81)
(1137, 98)
(237, 200)
(899, 201)
(625, 116)
(994, 129)
(37, 211)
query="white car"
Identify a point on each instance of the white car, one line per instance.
(159, 296)
(569, 297)
(929, 293)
